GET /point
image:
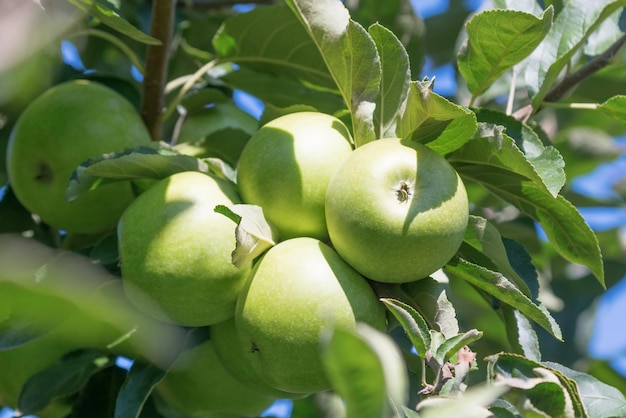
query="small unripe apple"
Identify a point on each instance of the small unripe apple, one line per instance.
(396, 210)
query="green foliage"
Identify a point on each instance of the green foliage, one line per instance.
(474, 340)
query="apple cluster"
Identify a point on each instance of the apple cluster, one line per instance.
(388, 211)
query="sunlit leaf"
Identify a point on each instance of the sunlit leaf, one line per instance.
(497, 40)
(453, 344)
(494, 161)
(500, 287)
(614, 107)
(471, 404)
(572, 27)
(521, 334)
(432, 119)
(394, 83)
(253, 233)
(350, 55)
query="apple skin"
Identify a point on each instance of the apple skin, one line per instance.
(235, 357)
(396, 210)
(58, 131)
(285, 168)
(198, 385)
(175, 251)
(298, 290)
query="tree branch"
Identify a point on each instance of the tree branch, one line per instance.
(152, 98)
(571, 80)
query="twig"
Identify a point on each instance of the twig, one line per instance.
(571, 80)
(152, 98)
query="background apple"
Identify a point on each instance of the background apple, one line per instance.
(298, 289)
(285, 168)
(62, 128)
(175, 250)
(198, 385)
(396, 210)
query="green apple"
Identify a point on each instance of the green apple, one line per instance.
(236, 359)
(396, 210)
(298, 290)
(175, 250)
(59, 130)
(198, 385)
(285, 168)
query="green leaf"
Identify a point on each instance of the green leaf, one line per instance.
(282, 91)
(146, 162)
(600, 399)
(351, 58)
(445, 316)
(573, 25)
(62, 379)
(253, 233)
(485, 239)
(413, 324)
(545, 160)
(452, 345)
(431, 118)
(497, 40)
(500, 287)
(521, 334)
(494, 161)
(272, 40)
(614, 107)
(547, 389)
(140, 381)
(394, 83)
(112, 19)
(366, 368)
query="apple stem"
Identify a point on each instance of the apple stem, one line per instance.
(153, 97)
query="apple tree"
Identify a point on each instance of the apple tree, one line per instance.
(216, 208)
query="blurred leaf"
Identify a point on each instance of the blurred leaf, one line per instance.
(571, 28)
(614, 107)
(500, 287)
(413, 324)
(253, 233)
(471, 404)
(146, 162)
(546, 160)
(140, 380)
(366, 368)
(600, 399)
(485, 239)
(62, 379)
(394, 83)
(493, 160)
(271, 39)
(605, 36)
(430, 118)
(111, 18)
(319, 404)
(351, 58)
(497, 40)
